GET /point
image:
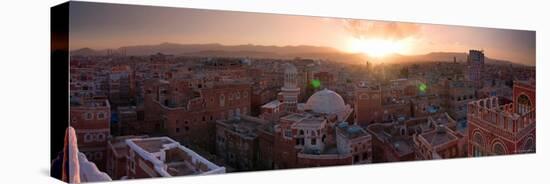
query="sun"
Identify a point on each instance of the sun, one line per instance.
(376, 47)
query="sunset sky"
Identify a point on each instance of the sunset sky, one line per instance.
(101, 26)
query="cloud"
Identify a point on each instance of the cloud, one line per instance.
(362, 29)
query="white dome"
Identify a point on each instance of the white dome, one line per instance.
(326, 101)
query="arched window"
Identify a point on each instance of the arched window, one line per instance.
(524, 104)
(100, 137)
(498, 149)
(89, 116)
(101, 115)
(478, 145)
(88, 137)
(529, 146)
(222, 100)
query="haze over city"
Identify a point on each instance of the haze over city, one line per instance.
(101, 26)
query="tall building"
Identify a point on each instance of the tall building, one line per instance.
(188, 114)
(121, 85)
(90, 120)
(237, 141)
(368, 99)
(290, 90)
(457, 93)
(495, 128)
(475, 64)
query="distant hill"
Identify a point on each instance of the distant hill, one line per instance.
(181, 49)
(87, 52)
(280, 52)
(440, 57)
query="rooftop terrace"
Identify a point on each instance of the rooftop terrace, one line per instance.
(246, 126)
(351, 131)
(172, 159)
(439, 136)
(496, 117)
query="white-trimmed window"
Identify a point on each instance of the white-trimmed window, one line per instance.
(288, 133)
(88, 137)
(100, 137)
(101, 115)
(529, 146)
(498, 149)
(478, 145)
(222, 100)
(88, 116)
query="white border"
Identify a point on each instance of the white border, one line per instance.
(25, 93)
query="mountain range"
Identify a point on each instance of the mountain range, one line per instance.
(280, 52)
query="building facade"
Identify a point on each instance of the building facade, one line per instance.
(91, 121)
(501, 129)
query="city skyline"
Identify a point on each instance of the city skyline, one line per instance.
(144, 25)
(157, 92)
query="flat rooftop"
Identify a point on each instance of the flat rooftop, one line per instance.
(295, 117)
(244, 125)
(119, 144)
(153, 145)
(438, 137)
(351, 131)
(272, 104)
(170, 158)
(311, 122)
(443, 118)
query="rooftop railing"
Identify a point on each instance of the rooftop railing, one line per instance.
(501, 118)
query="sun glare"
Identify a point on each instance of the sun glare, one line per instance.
(376, 47)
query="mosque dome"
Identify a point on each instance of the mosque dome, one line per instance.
(326, 101)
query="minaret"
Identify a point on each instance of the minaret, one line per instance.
(290, 90)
